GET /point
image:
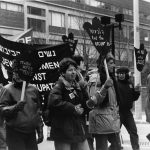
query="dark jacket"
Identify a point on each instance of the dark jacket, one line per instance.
(27, 120)
(66, 124)
(127, 95)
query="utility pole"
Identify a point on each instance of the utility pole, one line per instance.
(137, 74)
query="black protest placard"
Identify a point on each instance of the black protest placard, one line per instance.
(140, 55)
(48, 73)
(29, 57)
(72, 42)
(27, 64)
(99, 34)
(100, 37)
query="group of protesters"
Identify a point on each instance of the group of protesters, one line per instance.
(76, 117)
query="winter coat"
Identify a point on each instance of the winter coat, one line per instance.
(1, 117)
(66, 124)
(127, 95)
(28, 119)
(104, 118)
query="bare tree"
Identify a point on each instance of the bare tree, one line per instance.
(86, 47)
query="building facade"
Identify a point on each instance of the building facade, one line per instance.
(50, 19)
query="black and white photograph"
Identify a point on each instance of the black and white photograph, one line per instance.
(74, 74)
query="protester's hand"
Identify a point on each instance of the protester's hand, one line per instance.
(20, 105)
(137, 88)
(91, 102)
(40, 134)
(40, 138)
(79, 109)
(108, 83)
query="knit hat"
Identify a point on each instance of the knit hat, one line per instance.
(122, 70)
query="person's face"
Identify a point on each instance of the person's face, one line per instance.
(121, 76)
(16, 77)
(70, 73)
(111, 65)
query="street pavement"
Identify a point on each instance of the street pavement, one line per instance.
(143, 130)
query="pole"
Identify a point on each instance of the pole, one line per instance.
(23, 90)
(137, 74)
(113, 41)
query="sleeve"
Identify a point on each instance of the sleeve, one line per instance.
(86, 97)
(100, 95)
(7, 105)
(98, 98)
(56, 101)
(135, 94)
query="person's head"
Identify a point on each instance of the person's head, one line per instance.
(16, 78)
(67, 69)
(15, 75)
(122, 73)
(110, 62)
(79, 61)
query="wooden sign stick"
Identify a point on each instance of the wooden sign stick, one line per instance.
(106, 69)
(23, 90)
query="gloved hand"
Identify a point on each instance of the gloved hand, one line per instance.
(137, 88)
(20, 105)
(79, 109)
(11, 111)
(40, 139)
(91, 102)
(108, 83)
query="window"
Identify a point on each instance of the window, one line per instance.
(36, 11)
(131, 34)
(95, 3)
(131, 55)
(144, 35)
(57, 19)
(121, 54)
(36, 24)
(11, 6)
(3, 5)
(114, 8)
(127, 12)
(78, 1)
(74, 22)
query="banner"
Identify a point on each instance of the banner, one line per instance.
(24, 37)
(48, 56)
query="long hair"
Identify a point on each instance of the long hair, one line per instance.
(103, 77)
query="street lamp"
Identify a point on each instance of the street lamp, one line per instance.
(105, 20)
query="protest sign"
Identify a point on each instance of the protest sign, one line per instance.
(140, 55)
(24, 37)
(100, 37)
(31, 55)
(98, 33)
(71, 41)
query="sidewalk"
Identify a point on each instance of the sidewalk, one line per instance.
(143, 129)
